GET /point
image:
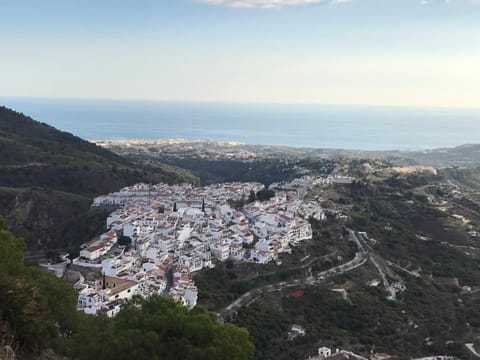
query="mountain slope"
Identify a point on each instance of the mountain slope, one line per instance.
(49, 177)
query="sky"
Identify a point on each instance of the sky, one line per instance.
(372, 52)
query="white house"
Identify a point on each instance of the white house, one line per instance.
(221, 250)
(236, 252)
(191, 295)
(298, 231)
(259, 256)
(89, 301)
(100, 247)
(324, 351)
(119, 289)
(190, 263)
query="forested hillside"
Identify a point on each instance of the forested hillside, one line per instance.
(49, 177)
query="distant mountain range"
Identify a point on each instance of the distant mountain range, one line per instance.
(465, 155)
(48, 179)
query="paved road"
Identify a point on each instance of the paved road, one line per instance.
(295, 267)
(250, 297)
(472, 350)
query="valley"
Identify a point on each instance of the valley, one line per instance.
(417, 226)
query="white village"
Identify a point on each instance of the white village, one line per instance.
(159, 235)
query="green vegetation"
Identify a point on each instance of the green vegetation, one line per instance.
(159, 328)
(433, 315)
(265, 194)
(50, 219)
(222, 285)
(420, 234)
(48, 179)
(363, 322)
(38, 312)
(36, 309)
(265, 169)
(224, 170)
(124, 241)
(464, 155)
(468, 177)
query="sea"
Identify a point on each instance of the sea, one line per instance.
(316, 126)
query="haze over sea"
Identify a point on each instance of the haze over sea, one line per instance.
(345, 127)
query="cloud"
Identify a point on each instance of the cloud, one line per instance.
(271, 3)
(266, 4)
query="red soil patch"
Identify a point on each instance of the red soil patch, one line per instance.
(297, 293)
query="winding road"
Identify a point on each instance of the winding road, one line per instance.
(251, 296)
(471, 348)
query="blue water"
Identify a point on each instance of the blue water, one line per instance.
(347, 127)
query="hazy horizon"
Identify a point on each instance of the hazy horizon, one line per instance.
(233, 103)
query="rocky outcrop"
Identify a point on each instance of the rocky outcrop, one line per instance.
(48, 219)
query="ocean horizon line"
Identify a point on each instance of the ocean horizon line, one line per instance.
(318, 127)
